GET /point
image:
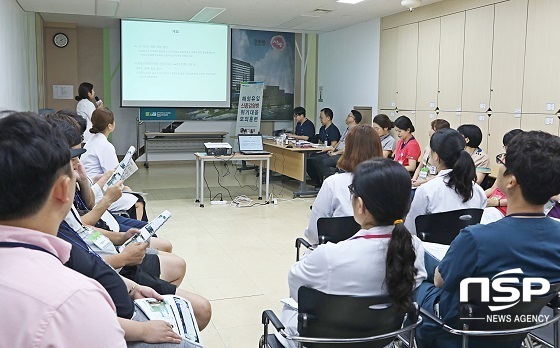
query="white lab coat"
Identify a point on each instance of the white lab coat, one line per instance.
(100, 156)
(436, 197)
(85, 108)
(333, 200)
(351, 267)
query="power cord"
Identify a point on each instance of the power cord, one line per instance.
(244, 202)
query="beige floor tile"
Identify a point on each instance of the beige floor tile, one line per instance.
(218, 288)
(237, 312)
(211, 338)
(241, 337)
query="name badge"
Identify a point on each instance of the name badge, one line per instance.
(433, 170)
(98, 239)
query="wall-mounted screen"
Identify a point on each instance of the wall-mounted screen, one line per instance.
(175, 64)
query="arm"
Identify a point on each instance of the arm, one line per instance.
(112, 194)
(322, 207)
(411, 167)
(86, 192)
(438, 280)
(418, 207)
(333, 143)
(299, 137)
(312, 271)
(108, 160)
(153, 331)
(417, 171)
(387, 153)
(480, 177)
(132, 255)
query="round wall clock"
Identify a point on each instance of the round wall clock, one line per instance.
(60, 40)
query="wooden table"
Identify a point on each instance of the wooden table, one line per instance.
(202, 157)
(292, 162)
(178, 141)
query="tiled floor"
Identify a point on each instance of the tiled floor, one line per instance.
(238, 258)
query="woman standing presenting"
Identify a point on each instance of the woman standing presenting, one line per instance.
(86, 105)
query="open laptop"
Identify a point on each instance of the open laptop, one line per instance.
(251, 144)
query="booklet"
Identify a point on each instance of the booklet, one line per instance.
(149, 230)
(124, 170)
(438, 251)
(176, 311)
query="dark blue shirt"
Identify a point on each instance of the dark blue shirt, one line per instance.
(307, 128)
(329, 134)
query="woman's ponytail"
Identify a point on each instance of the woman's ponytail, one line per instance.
(400, 273)
(463, 175)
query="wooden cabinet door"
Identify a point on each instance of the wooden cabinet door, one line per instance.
(451, 62)
(498, 125)
(428, 64)
(388, 69)
(407, 60)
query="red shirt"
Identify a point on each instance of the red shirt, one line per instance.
(499, 194)
(407, 151)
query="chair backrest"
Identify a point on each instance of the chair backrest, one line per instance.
(337, 316)
(504, 319)
(336, 229)
(443, 227)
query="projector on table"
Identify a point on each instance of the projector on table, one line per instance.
(218, 149)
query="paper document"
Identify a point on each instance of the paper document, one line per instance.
(438, 251)
(176, 311)
(125, 167)
(290, 302)
(149, 230)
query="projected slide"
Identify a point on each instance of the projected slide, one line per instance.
(174, 64)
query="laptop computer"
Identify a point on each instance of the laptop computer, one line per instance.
(251, 144)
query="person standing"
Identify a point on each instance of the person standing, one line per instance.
(87, 105)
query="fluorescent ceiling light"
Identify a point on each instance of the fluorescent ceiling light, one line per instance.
(349, 1)
(106, 8)
(207, 14)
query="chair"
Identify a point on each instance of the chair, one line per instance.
(443, 227)
(332, 320)
(497, 330)
(331, 229)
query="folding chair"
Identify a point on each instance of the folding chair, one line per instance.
(472, 325)
(443, 227)
(331, 229)
(332, 320)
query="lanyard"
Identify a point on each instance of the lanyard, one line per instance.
(25, 245)
(74, 242)
(373, 236)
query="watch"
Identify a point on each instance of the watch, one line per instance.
(60, 40)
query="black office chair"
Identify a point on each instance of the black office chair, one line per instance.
(472, 325)
(443, 227)
(331, 229)
(333, 320)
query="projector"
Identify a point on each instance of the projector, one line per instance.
(217, 149)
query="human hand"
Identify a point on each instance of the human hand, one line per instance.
(99, 104)
(134, 253)
(114, 192)
(102, 180)
(159, 331)
(141, 291)
(129, 234)
(418, 182)
(81, 175)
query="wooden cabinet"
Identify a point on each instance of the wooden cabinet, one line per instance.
(543, 122)
(453, 117)
(498, 125)
(510, 21)
(428, 63)
(407, 57)
(388, 69)
(451, 62)
(422, 125)
(541, 88)
(477, 64)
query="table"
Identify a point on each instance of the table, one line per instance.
(181, 140)
(292, 162)
(201, 158)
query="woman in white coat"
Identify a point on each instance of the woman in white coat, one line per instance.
(454, 187)
(87, 105)
(362, 144)
(383, 258)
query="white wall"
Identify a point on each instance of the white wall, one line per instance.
(348, 69)
(18, 66)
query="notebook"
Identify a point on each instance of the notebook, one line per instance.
(251, 144)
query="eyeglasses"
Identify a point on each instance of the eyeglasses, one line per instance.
(352, 191)
(501, 159)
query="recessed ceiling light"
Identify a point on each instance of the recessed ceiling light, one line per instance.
(349, 1)
(207, 14)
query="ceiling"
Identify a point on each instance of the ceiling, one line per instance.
(283, 15)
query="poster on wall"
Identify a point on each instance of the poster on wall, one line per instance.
(250, 108)
(255, 56)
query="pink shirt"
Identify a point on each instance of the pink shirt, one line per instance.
(45, 304)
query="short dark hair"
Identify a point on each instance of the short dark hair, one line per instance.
(472, 132)
(439, 123)
(357, 115)
(404, 123)
(67, 126)
(33, 154)
(80, 119)
(299, 111)
(83, 90)
(510, 135)
(534, 159)
(383, 121)
(328, 112)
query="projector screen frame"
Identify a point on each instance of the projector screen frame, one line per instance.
(226, 104)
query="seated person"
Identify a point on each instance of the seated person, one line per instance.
(524, 239)
(454, 187)
(407, 150)
(496, 204)
(326, 166)
(45, 303)
(426, 171)
(382, 125)
(305, 129)
(333, 199)
(383, 258)
(329, 135)
(473, 137)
